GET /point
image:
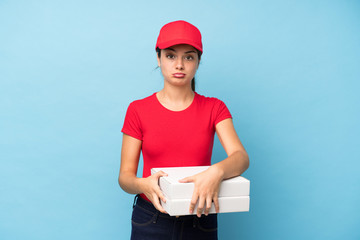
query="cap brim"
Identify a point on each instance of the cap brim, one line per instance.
(179, 41)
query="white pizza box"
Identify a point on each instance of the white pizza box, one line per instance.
(173, 189)
(180, 207)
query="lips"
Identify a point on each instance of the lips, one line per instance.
(179, 75)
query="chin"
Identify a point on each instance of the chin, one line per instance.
(179, 83)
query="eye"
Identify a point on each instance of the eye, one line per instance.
(189, 58)
(170, 56)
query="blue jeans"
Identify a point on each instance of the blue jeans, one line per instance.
(148, 223)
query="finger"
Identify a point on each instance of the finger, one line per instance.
(193, 201)
(186, 180)
(161, 174)
(200, 207)
(157, 205)
(208, 206)
(216, 203)
(161, 195)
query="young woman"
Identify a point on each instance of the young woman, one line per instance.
(175, 127)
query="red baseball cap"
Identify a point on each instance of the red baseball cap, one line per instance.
(179, 32)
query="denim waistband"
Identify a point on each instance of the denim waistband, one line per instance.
(148, 206)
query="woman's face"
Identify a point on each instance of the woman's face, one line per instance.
(178, 64)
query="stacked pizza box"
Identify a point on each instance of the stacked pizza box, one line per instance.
(233, 193)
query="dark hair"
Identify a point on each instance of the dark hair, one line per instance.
(158, 50)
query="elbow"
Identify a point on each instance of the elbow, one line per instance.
(247, 161)
(126, 182)
(244, 161)
(121, 182)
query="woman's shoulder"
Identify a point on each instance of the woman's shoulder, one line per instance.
(216, 106)
(143, 102)
(208, 99)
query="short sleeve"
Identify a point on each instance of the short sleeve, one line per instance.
(221, 112)
(132, 124)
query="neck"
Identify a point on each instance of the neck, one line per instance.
(176, 94)
(175, 98)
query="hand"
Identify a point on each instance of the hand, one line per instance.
(152, 190)
(206, 190)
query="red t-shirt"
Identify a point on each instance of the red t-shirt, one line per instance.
(174, 138)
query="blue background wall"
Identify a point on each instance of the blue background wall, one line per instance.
(288, 70)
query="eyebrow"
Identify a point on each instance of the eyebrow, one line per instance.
(191, 51)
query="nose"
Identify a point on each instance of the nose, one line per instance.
(180, 64)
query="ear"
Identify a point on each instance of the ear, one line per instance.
(158, 60)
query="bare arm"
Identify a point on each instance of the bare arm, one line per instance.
(238, 160)
(129, 182)
(130, 154)
(208, 182)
